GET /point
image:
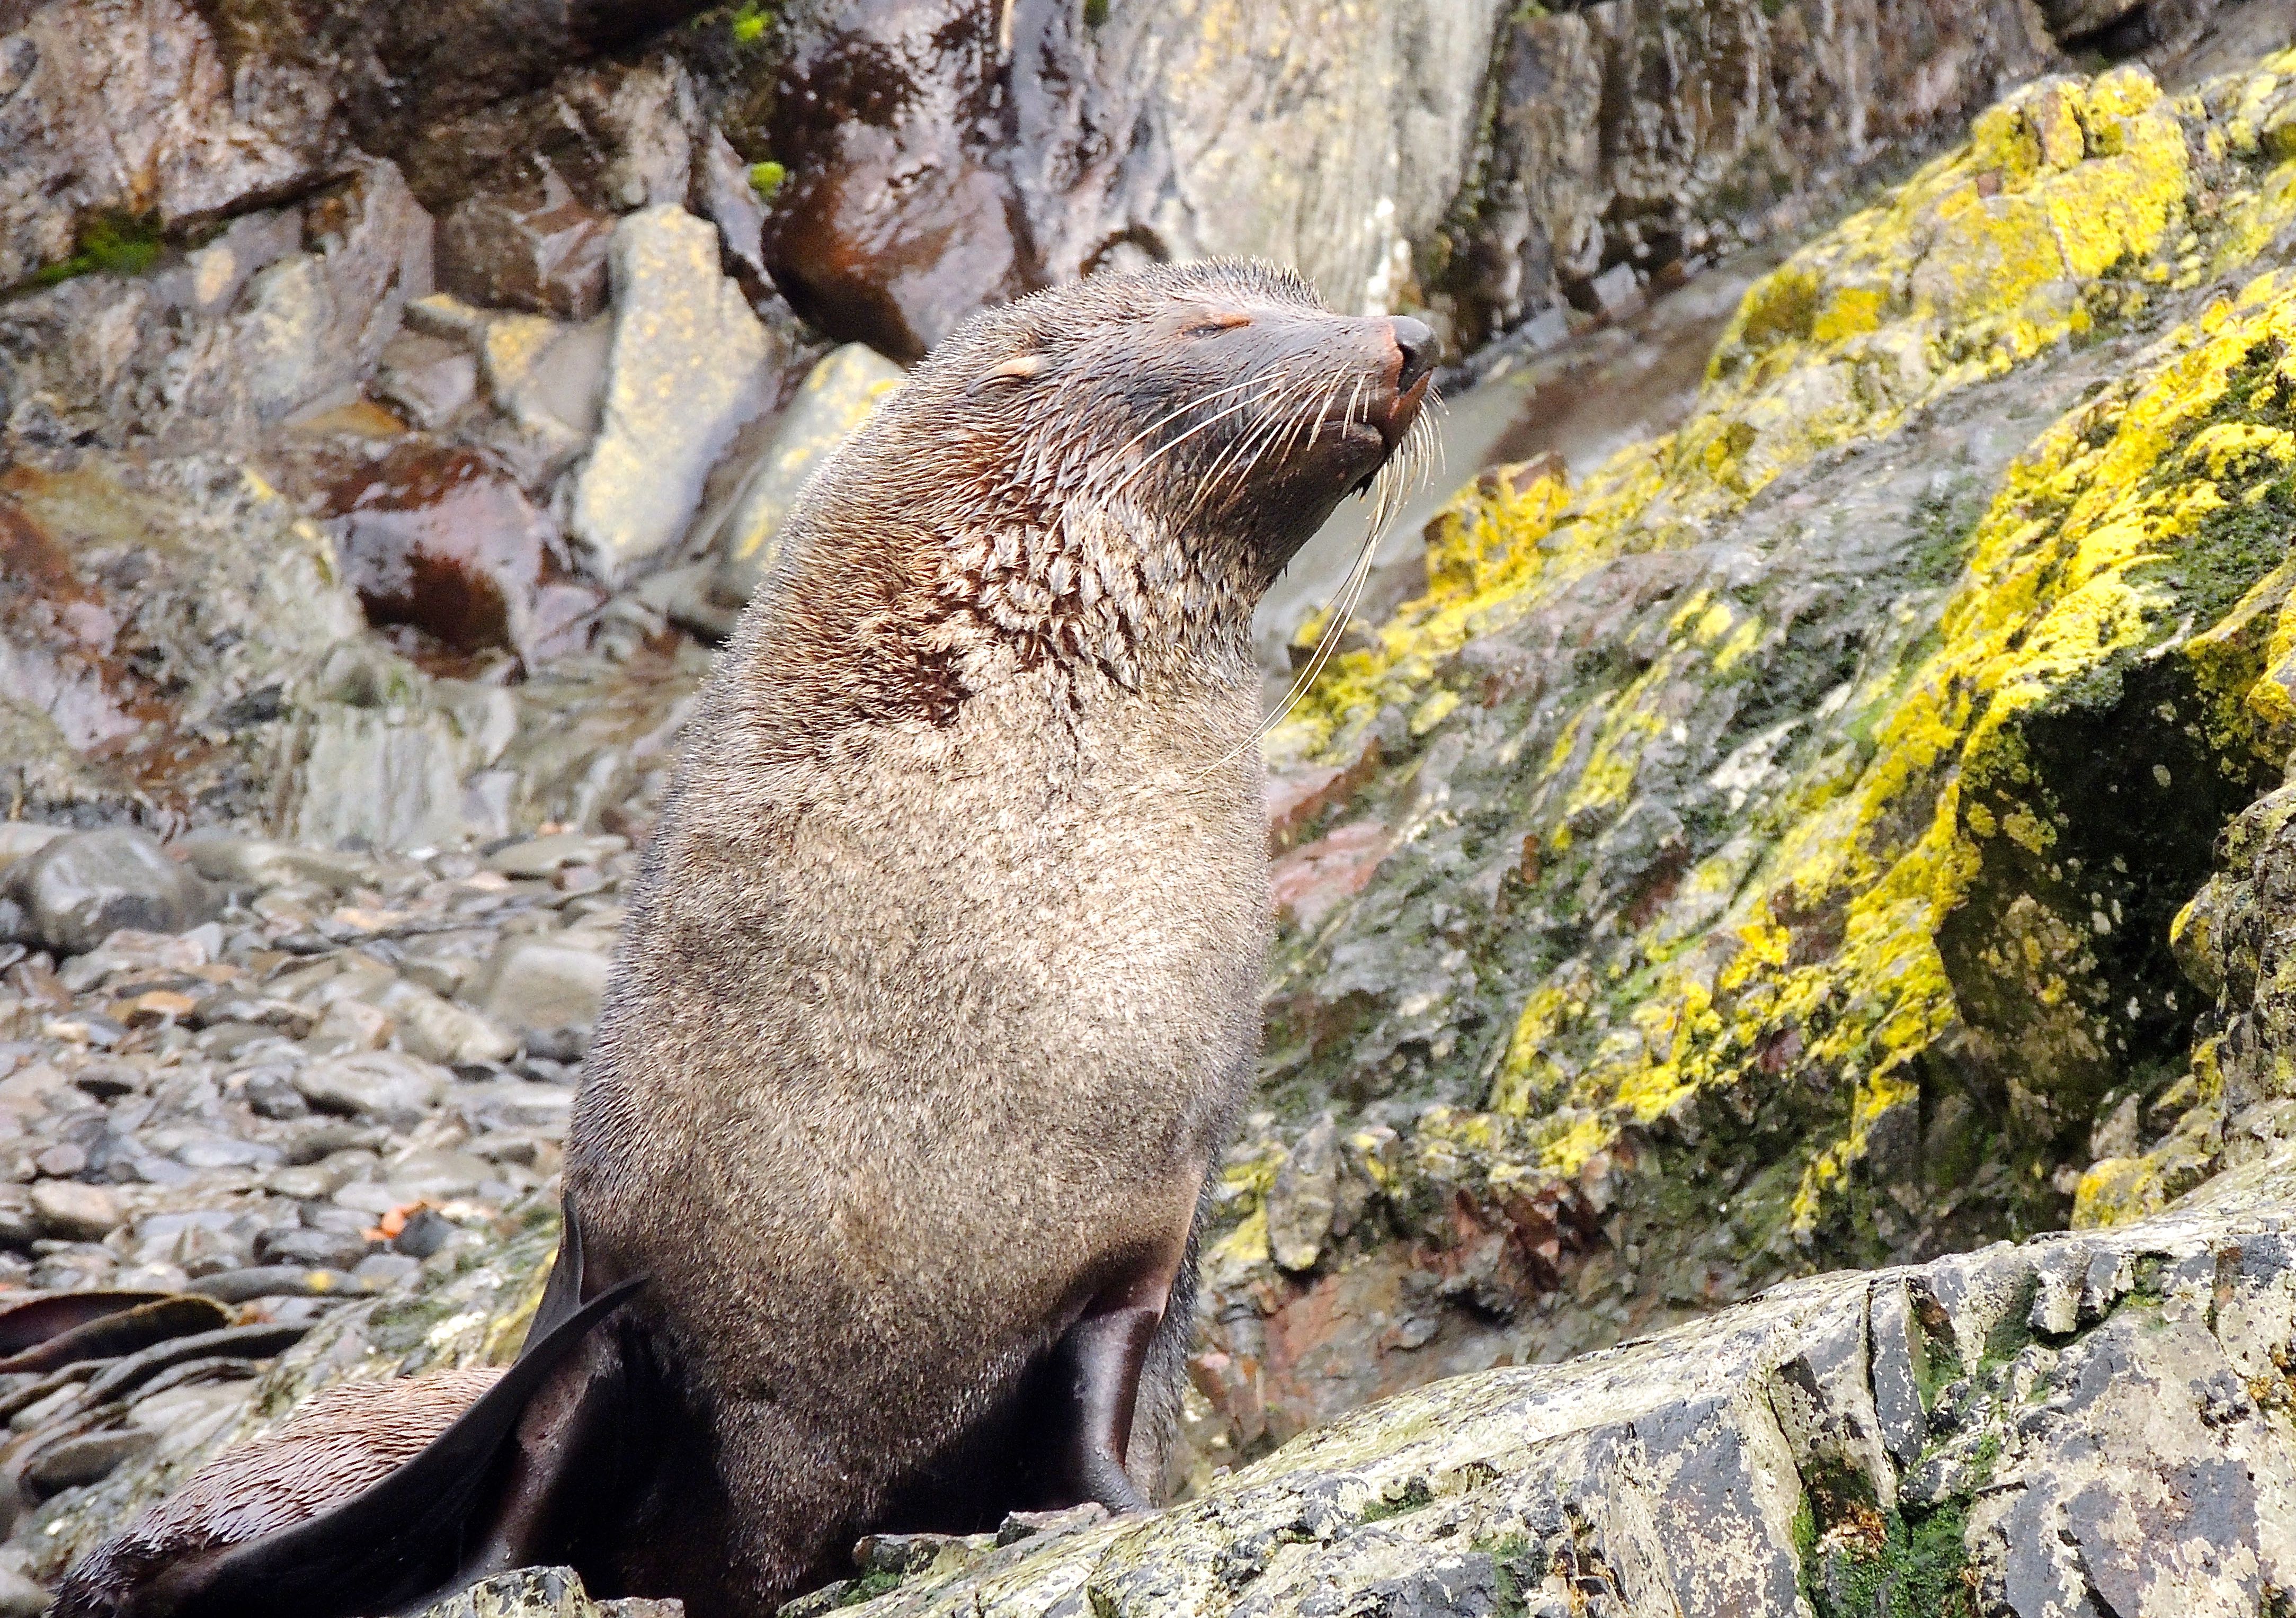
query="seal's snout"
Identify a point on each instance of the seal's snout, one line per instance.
(1415, 348)
(1413, 363)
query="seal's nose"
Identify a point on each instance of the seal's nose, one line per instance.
(1416, 344)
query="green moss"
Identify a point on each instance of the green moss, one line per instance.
(1096, 13)
(767, 178)
(109, 244)
(868, 1586)
(1416, 1495)
(751, 22)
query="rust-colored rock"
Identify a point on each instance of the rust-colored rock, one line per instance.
(894, 224)
(546, 255)
(440, 539)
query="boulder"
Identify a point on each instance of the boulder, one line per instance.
(839, 394)
(897, 220)
(78, 889)
(117, 110)
(690, 364)
(440, 538)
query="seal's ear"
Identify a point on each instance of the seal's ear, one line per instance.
(441, 1517)
(1012, 373)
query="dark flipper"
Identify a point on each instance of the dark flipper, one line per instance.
(563, 1293)
(405, 1537)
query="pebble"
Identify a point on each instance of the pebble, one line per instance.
(69, 1211)
(382, 1083)
(78, 889)
(86, 1458)
(272, 1105)
(541, 985)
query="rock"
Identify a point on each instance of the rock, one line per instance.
(540, 984)
(186, 131)
(723, 194)
(434, 1176)
(385, 750)
(440, 1031)
(69, 1211)
(1553, 205)
(426, 378)
(19, 1598)
(21, 838)
(349, 1026)
(690, 364)
(839, 394)
(439, 538)
(543, 1592)
(304, 1249)
(382, 1084)
(1660, 1471)
(547, 256)
(1303, 1199)
(85, 1457)
(540, 856)
(78, 889)
(316, 322)
(895, 223)
(226, 857)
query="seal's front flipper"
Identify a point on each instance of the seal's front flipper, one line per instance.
(406, 1536)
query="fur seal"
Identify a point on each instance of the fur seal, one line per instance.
(938, 994)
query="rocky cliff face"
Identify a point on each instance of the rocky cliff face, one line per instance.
(1847, 828)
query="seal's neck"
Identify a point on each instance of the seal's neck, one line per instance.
(1109, 590)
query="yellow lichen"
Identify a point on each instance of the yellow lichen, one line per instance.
(2073, 203)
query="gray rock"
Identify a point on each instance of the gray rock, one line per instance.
(78, 890)
(440, 1031)
(383, 1084)
(542, 985)
(69, 1211)
(310, 1250)
(1703, 1471)
(1304, 1197)
(721, 181)
(20, 838)
(434, 1176)
(539, 856)
(839, 394)
(223, 856)
(543, 1592)
(429, 380)
(85, 1457)
(19, 1598)
(689, 365)
(113, 108)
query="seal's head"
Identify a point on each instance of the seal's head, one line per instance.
(1123, 465)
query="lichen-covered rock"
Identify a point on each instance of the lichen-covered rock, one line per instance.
(1765, 847)
(1626, 138)
(186, 130)
(690, 364)
(839, 394)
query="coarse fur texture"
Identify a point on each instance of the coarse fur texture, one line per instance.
(941, 987)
